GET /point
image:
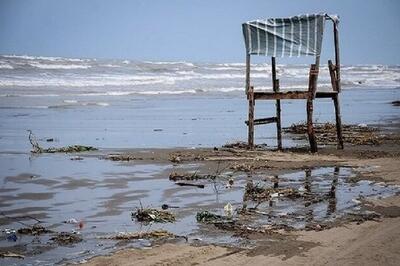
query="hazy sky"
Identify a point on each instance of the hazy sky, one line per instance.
(197, 30)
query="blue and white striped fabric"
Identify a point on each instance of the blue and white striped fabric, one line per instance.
(281, 37)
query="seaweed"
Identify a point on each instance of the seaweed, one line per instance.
(208, 217)
(66, 238)
(157, 234)
(153, 215)
(68, 149)
(258, 193)
(174, 176)
(326, 133)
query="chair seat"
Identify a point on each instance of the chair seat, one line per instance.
(270, 95)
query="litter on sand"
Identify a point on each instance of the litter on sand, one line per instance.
(34, 230)
(153, 215)
(66, 238)
(157, 234)
(9, 254)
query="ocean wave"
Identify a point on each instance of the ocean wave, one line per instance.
(109, 65)
(170, 63)
(6, 66)
(47, 58)
(58, 66)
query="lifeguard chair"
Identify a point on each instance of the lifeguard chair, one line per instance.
(287, 37)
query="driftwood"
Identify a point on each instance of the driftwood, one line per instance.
(183, 184)
(174, 176)
(9, 254)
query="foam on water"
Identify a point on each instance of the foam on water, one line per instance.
(28, 76)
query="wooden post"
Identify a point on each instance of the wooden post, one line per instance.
(275, 84)
(247, 73)
(337, 57)
(250, 96)
(338, 121)
(335, 99)
(332, 73)
(310, 109)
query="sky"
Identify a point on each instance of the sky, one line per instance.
(187, 30)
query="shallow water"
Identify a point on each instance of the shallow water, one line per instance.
(102, 194)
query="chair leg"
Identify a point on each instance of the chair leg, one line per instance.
(310, 127)
(251, 119)
(278, 124)
(338, 122)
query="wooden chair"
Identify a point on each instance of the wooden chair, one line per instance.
(309, 95)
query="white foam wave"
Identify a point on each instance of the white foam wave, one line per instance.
(109, 65)
(58, 66)
(48, 58)
(70, 101)
(169, 63)
(5, 66)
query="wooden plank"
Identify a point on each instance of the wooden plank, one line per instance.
(338, 122)
(250, 96)
(262, 121)
(326, 94)
(281, 95)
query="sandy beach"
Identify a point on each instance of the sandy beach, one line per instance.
(287, 207)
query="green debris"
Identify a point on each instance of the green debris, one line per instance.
(69, 149)
(326, 133)
(34, 230)
(157, 234)
(174, 176)
(208, 217)
(66, 238)
(258, 193)
(153, 215)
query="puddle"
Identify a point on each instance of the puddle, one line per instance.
(102, 194)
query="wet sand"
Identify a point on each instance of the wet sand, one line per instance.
(349, 243)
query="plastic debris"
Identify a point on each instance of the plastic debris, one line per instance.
(228, 209)
(166, 207)
(11, 234)
(71, 221)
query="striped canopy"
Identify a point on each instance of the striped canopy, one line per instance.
(281, 37)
